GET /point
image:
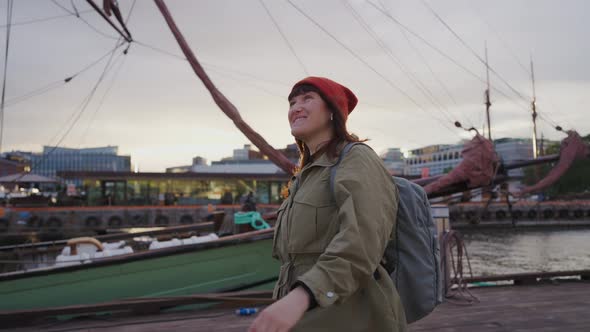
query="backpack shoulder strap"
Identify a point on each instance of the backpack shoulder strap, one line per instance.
(334, 167)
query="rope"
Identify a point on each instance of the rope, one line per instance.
(464, 43)
(8, 28)
(43, 19)
(291, 48)
(56, 84)
(398, 62)
(456, 290)
(364, 62)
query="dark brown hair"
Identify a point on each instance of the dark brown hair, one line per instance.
(341, 134)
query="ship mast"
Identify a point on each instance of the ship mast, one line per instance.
(534, 110)
(487, 93)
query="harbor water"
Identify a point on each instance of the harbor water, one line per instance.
(506, 251)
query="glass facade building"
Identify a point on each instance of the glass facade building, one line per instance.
(133, 189)
(56, 159)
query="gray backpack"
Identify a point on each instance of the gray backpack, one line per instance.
(412, 256)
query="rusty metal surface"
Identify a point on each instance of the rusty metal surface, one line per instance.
(477, 168)
(572, 148)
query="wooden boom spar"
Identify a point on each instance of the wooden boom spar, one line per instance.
(224, 104)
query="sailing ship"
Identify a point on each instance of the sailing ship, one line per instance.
(240, 261)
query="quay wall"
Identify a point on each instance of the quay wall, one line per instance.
(63, 222)
(521, 214)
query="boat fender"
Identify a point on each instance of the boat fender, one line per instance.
(54, 222)
(516, 214)
(34, 221)
(4, 224)
(92, 221)
(548, 214)
(162, 220)
(115, 221)
(564, 214)
(137, 219)
(186, 219)
(470, 216)
(532, 214)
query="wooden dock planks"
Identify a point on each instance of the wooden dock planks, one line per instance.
(562, 306)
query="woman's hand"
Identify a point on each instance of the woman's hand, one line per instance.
(282, 315)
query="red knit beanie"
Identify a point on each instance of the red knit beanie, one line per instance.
(339, 95)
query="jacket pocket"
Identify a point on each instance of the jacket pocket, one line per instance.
(311, 226)
(280, 216)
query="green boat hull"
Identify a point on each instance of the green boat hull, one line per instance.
(183, 273)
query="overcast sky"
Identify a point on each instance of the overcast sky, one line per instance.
(155, 109)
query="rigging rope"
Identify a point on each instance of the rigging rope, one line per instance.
(3, 98)
(504, 43)
(364, 62)
(75, 116)
(464, 43)
(103, 98)
(56, 84)
(411, 76)
(73, 13)
(43, 19)
(291, 48)
(438, 50)
(211, 66)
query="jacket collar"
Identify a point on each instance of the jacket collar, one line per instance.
(326, 161)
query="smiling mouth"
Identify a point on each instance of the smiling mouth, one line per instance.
(298, 119)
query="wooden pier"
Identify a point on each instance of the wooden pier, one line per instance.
(562, 305)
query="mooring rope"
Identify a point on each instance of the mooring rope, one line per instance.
(456, 290)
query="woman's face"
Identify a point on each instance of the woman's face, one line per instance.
(309, 116)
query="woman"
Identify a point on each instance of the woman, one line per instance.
(330, 241)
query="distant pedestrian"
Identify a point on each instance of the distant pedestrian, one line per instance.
(249, 203)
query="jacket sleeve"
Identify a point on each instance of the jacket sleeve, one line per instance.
(367, 207)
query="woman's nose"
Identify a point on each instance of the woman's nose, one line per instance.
(296, 108)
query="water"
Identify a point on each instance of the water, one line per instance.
(495, 252)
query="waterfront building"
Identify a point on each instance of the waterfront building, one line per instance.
(394, 161)
(189, 188)
(13, 164)
(222, 182)
(433, 160)
(55, 159)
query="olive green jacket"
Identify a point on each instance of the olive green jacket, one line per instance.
(333, 243)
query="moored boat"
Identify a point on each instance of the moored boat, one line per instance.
(234, 262)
